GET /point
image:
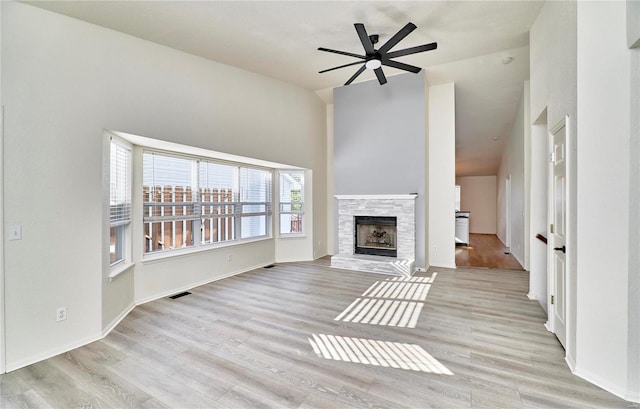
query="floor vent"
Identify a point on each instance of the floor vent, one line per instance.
(173, 297)
(507, 252)
(270, 266)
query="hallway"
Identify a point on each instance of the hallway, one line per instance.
(486, 250)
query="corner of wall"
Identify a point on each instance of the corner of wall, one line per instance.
(330, 246)
(2, 228)
(441, 175)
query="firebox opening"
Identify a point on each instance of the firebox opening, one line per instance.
(376, 236)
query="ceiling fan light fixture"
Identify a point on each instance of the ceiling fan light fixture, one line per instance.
(373, 64)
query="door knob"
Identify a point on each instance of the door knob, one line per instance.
(562, 249)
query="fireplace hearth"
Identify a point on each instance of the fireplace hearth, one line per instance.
(375, 236)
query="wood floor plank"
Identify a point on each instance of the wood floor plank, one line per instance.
(170, 391)
(245, 342)
(486, 251)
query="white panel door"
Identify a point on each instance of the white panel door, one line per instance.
(559, 232)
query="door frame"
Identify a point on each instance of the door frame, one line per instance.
(551, 276)
(507, 206)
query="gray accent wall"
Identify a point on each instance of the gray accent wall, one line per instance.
(380, 143)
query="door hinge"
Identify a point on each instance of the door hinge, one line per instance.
(553, 299)
(551, 228)
(552, 157)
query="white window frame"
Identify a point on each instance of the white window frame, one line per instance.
(120, 218)
(235, 208)
(282, 206)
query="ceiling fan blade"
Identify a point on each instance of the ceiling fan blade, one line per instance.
(397, 37)
(341, 66)
(360, 71)
(341, 53)
(381, 78)
(364, 39)
(401, 66)
(412, 50)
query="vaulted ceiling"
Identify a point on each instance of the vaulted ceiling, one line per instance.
(279, 39)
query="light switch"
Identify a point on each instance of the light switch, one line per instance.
(15, 232)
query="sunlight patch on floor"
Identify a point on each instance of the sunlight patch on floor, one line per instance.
(409, 357)
(393, 302)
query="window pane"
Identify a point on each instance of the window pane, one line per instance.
(170, 200)
(291, 202)
(218, 187)
(254, 226)
(115, 244)
(290, 223)
(255, 188)
(119, 183)
(119, 199)
(169, 235)
(255, 185)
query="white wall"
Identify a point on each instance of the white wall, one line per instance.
(331, 221)
(552, 41)
(603, 194)
(538, 217)
(64, 82)
(633, 23)
(478, 195)
(441, 148)
(2, 226)
(634, 222)
(581, 67)
(512, 166)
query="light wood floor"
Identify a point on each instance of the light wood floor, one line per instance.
(486, 250)
(243, 342)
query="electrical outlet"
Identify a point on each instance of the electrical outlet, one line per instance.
(61, 314)
(15, 232)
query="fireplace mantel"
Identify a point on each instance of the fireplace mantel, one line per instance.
(412, 196)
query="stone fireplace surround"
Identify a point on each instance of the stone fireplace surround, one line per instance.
(400, 206)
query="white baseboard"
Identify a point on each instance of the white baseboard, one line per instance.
(12, 366)
(633, 397)
(571, 363)
(203, 282)
(106, 330)
(618, 390)
(532, 297)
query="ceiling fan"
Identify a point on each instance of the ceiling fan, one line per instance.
(375, 59)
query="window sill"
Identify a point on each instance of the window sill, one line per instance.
(120, 269)
(293, 236)
(159, 257)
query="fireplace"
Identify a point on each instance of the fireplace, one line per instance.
(375, 236)
(376, 233)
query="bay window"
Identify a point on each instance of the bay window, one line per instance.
(192, 202)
